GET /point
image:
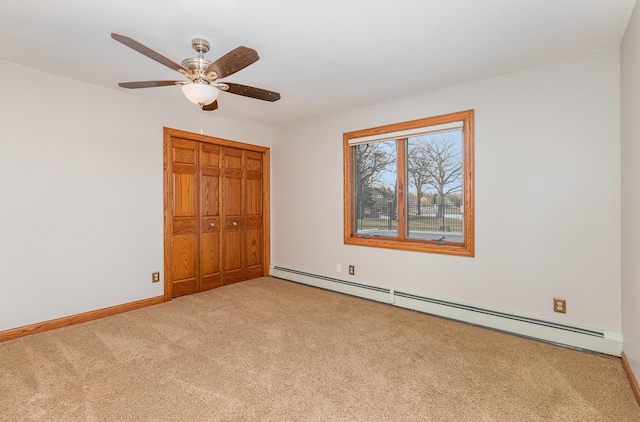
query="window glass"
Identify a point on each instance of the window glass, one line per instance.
(376, 178)
(434, 198)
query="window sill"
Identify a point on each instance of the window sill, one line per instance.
(450, 248)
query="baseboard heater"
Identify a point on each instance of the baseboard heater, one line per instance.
(601, 341)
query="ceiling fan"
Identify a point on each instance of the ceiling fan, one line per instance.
(202, 87)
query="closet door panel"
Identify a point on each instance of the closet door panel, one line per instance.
(233, 262)
(254, 197)
(232, 195)
(184, 185)
(210, 194)
(254, 254)
(183, 265)
(210, 260)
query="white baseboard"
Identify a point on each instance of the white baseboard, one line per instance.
(601, 341)
(354, 289)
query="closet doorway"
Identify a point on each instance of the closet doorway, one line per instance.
(216, 212)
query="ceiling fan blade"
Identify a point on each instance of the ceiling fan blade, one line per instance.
(149, 84)
(251, 92)
(152, 54)
(211, 107)
(233, 61)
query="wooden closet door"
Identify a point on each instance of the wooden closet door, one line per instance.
(233, 215)
(216, 216)
(210, 222)
(184, 212)
(254, 241)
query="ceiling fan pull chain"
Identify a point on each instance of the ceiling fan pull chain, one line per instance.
(201, 126)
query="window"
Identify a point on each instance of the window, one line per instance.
(419, 177)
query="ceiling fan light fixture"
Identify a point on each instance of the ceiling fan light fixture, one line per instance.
(200, 93)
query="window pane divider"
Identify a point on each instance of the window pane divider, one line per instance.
(401, 214)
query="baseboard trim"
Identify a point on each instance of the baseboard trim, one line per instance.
(632, 378)
(601, 341)
(77, 319)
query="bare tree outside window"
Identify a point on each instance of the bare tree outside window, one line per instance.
(444, 168)
(418, 164)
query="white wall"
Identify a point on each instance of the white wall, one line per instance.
(630, 154)
(81, 206)
(547, 202)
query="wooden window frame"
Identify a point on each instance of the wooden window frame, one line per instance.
(403, 242)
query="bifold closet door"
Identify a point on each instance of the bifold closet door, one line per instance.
(196, 217)
(254, 240)
(184, 236)
(233, 215)
(243, 222)
(210, 221)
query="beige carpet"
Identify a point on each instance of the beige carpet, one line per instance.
(272, 350)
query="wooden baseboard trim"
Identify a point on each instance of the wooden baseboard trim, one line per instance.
(77, 319)
(632, 379)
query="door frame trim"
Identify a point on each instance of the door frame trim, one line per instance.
(169, 135)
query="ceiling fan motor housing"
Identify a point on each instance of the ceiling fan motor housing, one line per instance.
(198, 65)
(200, 45)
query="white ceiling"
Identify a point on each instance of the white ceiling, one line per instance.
(323, 56)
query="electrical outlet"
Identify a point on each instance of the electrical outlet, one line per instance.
(338, 268)
(559, 305)
(155, 277)
(352, 270)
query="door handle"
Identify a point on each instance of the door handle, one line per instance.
(235, 223)
(211, 225)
